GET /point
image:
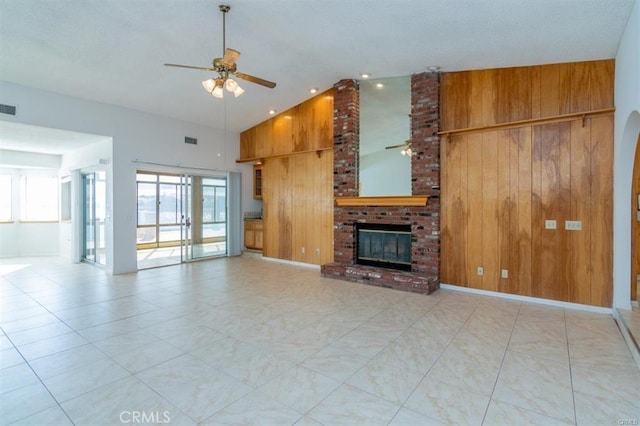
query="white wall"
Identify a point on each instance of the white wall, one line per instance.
(627, 126)
(136, 136)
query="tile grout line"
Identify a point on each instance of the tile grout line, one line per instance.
(41, 382)
(504, 356)
(573, 392)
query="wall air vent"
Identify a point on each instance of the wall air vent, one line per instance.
(192, 141)
(7, 109)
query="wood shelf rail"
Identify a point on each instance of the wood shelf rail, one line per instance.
(408, 200)
(318, 152)
(532, 121)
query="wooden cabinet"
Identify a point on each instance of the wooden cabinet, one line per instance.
(253, 231)
(257, 181)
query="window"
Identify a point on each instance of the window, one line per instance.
(39, 198)
(5, 202)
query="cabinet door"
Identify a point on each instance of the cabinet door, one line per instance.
(258, 239)
(257, 182)
(249, 235)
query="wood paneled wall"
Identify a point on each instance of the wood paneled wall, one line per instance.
(485, 97)
(298, 207)
(296, 148)
(305, 127)
(500, 185)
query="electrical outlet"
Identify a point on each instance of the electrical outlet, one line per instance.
(573, 225)
(550, 224)
(505, 273)
(317, 251)
(480, 271)
(302, 250)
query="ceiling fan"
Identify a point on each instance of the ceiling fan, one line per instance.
(225, 67)
(406, 147)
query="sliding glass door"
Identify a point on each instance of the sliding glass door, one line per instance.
(180, 218)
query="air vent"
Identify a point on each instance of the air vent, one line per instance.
(192, 141)
(7, 109)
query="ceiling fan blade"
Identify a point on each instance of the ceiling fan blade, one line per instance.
(256, 80)
(407, 143)
(230, 57)
(190, 67)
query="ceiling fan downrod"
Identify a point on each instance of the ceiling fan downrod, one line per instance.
(224, 8)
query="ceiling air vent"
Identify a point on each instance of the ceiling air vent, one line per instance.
(7, 109)
(192, 141)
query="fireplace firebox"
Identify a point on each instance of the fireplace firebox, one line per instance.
(384, 245)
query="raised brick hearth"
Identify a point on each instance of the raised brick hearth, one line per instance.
(425, 180)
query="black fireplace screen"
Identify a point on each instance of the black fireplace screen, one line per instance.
(386, 246)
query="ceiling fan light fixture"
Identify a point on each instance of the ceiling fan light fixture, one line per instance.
(218, 91)
(209, 85)
(239, 91)
(230, 85)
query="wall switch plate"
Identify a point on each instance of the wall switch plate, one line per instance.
(573, 225)
(480, 271)
(302, 250)
(505, 273)
(317, 251)
(550, 224)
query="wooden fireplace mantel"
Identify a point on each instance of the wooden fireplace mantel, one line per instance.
(408, 200)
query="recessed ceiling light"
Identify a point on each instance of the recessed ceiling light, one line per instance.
(379, 85)
(313, 90)
(272, 111)
(365, 75)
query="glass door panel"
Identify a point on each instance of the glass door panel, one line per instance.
(101, 213)
(185, 218)
(89, 218)
(147, 197)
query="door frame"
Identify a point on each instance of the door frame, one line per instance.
(635, 225)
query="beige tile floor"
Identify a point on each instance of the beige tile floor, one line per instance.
(165, 256)
(247, 341)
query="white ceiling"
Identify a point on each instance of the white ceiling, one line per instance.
(42, 140)
(112, 51)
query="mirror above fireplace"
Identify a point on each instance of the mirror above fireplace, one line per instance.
(385, 130)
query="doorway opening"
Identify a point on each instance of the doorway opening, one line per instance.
(180, 218)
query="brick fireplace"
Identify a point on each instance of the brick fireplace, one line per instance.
(424, 220)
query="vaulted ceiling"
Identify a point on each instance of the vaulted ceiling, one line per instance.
(112, 51)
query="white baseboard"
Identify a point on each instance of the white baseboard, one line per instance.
(291, 262)
(528, 299)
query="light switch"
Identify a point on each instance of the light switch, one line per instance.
(480, 271)
(505, 273)
(550, 224)
(573, 225)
